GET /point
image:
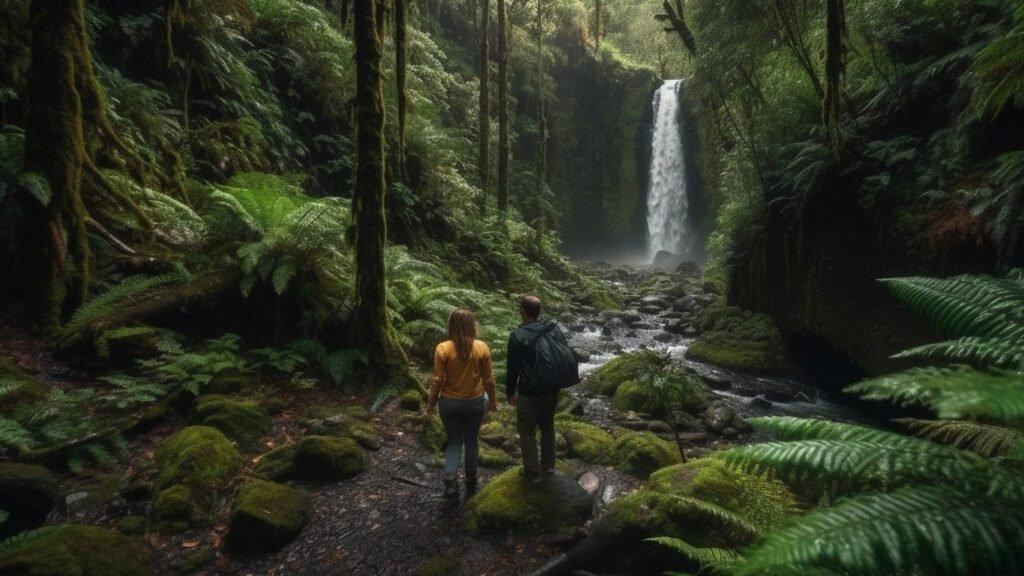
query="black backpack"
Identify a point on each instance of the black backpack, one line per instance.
(555, 366)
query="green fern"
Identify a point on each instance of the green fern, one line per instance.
(984, 439)
(937, 530)
(131, 391)
(952, 392)
(1000, 66)
(980, 306)
(23, 538)
(713, 558)
(980, 351)
(14, 437)
(115, 297)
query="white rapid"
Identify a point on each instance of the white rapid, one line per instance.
(667, 203)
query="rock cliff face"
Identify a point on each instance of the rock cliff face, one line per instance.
(816, 274)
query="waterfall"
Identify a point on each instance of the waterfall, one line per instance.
(667, 202)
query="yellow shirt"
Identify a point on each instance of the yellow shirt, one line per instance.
(457, 378)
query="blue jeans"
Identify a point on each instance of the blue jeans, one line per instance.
(462, 419)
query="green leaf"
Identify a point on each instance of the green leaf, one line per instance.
(285, 271)
(37, 185)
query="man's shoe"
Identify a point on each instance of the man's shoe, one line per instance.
(535, 478)
(451, 488)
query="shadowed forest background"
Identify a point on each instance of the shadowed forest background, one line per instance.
(232, 231)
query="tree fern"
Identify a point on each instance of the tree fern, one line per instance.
(1000, 66)
(984, 439)
(935, 529)
(978, 351)
(952, 392)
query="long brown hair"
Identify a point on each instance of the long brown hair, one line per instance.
(462, 331)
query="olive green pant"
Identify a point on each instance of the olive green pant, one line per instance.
(533, 412)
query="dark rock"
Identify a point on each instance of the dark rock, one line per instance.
(27, 493)
(742, 425)
(718, 417)
(684, 304)
(663, 337)
(716, 381)
(759, 401)
(665, 260)
(711, 288)
(614, 326)
(730, 433)
(688, 268)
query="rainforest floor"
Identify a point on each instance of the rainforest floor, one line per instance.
(389, 520)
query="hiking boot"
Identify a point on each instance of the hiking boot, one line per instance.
(549, 472)
(451, 488)
(532, 477)
(470, 487)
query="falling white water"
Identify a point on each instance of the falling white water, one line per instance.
(666, 198)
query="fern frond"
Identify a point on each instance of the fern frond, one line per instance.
(952, 392)
(984, 439)
(793, 428)
(112, 299)
(706, 557)
(966, 305)
(23, 538)
(727, 520)
(933, 529)
(13, 435)
(982, 352)
(843, 466)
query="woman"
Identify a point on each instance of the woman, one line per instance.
(462, 373)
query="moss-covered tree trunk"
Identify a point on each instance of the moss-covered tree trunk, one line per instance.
(60, 85)
(542, 131)
(835, 66)
(503, 147)
(598, 8)
(401, 43)
(372, 326)
(483, 156)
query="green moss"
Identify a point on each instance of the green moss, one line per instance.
(314, 458)
(432, 434)
(491, 457)
(586, 441)
(510, 503)
(632, 366)
(132, 525)
(199, 457)
(641, 453)
(175, 509)
(764, 502)
(243, 422)
(437, 566)
(411, 400)
(496, 432)
(266, 517)
(638, 397)
(73, 550)
(93, 492)
(741, 339)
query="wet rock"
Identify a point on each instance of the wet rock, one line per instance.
(718, 417)
(760, 401)
(742, 425)
(730, 433)
(614, 326)
(716, 381)
(684, 304)
(664, 337)
(665, 260)
(688, 268)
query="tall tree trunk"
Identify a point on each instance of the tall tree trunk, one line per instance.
(835, 67)
(597, 24)
(503, 119)
(372, 326)
(483, 158)
(403, 96)
(542, 129)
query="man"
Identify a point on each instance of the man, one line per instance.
(535, 404)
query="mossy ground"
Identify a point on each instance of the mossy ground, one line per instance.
(74, 550)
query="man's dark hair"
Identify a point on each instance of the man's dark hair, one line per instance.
(530, 305)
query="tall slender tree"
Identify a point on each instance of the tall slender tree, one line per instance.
(503, 119)
(372, 325)
(835, 67)
(542, 130)
(401, 47)
(483, 158)
(598, 9)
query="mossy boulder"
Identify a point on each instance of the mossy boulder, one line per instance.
(132, 525)
(491, 457)
(314, 458)
(641, 453)
(243, 422)
(586, 441)
(266, 517)
(411, 400)
(674, 389)
(432, 434)
(511, 504)
(73, 550)
(628, 367)
(741, 339)
(346, 423)
(91, 492)
(176, 509)
(199, 457)
(764, 502)
(27, 494)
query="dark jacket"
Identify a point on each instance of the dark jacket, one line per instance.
(522, 356)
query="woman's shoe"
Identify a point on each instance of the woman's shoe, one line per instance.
(470, 486)
(451, 488)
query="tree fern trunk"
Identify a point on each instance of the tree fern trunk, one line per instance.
(403, 96)
(835, 66)
(372, 326)
(542, 129)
